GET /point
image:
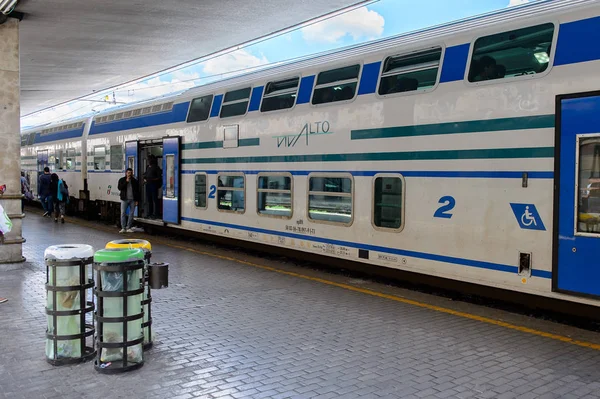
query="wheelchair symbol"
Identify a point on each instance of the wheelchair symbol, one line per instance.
(527, 218)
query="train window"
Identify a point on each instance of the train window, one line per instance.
(514, 53)
(280, 95)
(235, 103)
(200, 109)
(200, 199)
(31, 139)
(170, 171)
(388, 201)
(336, 85)
(116, 157)
(275, 195)
(100, 158)
(231, 192)
(588, 179)
(70, 160)
(330, 199)
(410, 72)
(59, 160)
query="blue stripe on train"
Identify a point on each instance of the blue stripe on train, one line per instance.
(66, 134)
(394, 251)
(177, 114)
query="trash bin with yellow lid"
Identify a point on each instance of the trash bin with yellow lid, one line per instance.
(131, 243)
(119, 290)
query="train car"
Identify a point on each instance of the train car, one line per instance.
(468, 151)
(61, 148)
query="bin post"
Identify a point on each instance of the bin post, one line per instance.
(69, 304)
(119, 291)
(147, 301)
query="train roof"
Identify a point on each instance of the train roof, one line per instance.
(409, 40)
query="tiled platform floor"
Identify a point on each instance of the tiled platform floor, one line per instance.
(230, 330)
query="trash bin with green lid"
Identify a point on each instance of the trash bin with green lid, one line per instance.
(146, 302)
(69, 304)
(119, 293)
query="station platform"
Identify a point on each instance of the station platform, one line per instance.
(231, 325)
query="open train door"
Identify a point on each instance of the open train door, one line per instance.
(132, 151)
(171, 165)
(577, 195)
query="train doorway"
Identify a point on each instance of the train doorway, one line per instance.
(577, 195)
(156, 165)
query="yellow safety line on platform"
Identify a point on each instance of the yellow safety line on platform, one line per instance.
(396, 298)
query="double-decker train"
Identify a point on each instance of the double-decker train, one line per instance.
(468, 151)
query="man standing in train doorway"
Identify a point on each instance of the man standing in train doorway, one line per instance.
(153, 180)
(129, 192)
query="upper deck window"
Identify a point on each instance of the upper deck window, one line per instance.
(410, 72)
(280, 95)
(514, 53)
(336, 85)
(200, 109)
(235, 103)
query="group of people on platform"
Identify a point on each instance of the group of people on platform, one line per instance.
(53, 193)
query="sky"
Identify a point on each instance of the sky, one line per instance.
(381, 19)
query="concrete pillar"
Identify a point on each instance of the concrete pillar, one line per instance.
(11, 250)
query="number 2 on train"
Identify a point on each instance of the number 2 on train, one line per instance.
(213, 190)
(442, 212)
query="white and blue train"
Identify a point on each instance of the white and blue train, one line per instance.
(468, 151)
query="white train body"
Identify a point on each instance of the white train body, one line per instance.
(475, 161)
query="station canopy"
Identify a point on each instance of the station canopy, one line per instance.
(71, 48)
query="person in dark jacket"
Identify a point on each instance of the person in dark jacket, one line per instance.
(153, 180)
(129, 192)
(54, 192)
(44, 192)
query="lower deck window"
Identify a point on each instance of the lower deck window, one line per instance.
(231, 193)
(200, 191)
(275, 195)
(387, 202)
(330, 199)
(100, 158)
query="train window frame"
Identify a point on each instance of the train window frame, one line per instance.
(243, 175)
(332, 68)
(71, 154)
(223, 103)
(277, 81)
(291, 191)
(212, 102)
(205, 191)
(94, 158)
(415, 50)
(403, 202)
(352, 199)
(507, 29)
(122, 157)
(580, 140)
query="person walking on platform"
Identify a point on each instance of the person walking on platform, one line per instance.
(153, 180)
(62, 196)
(44, 192)
(54, 194)
(129, 192)
(25, 190)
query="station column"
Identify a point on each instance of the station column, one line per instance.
(11, 250)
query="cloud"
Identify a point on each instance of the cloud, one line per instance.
(358, 23)
(158, 86)
(517, 2)
(234, 61)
